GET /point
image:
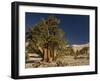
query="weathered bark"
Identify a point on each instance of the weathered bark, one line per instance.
(40, 49)
(49, 56)
(55, 51)
(52, 54)
(45, 54)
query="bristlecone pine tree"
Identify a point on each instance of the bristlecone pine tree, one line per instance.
(46, 38)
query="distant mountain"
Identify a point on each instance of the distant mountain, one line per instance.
(79, 47)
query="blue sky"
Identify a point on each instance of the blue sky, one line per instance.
(76, 27)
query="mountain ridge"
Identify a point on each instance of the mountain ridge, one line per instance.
(79, 46)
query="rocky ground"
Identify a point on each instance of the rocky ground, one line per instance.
(63, 61)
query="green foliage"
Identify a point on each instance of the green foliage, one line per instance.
(46, 33)
(70, 51)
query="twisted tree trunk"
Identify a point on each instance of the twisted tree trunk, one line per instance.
(55, 51)
(50, 57)
(40, 49)
(45, 54)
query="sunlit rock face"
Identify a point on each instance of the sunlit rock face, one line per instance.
(79, 47)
